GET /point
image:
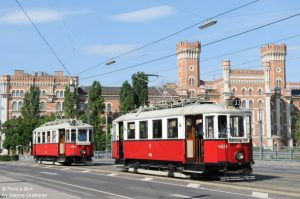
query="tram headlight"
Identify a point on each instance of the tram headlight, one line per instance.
(82, 151)
(239, 156)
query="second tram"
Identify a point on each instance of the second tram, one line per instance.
(193, 139)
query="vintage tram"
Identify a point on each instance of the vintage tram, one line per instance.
(63, 141)
(192, 139)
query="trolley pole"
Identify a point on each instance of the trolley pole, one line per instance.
(260, 134)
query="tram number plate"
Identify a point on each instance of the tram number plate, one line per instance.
(238, 140)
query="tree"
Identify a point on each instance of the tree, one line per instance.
(126, 98)
(297, 131)
(31, 102)
(140, 88)
(70, 103)
(96, 106)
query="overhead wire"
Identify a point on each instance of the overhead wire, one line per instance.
(204, 45)
(43, 38)
(165, 37)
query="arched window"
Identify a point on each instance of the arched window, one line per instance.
(233, 92)
(58, 106)
(15, 106)
(250, 91)
(192, 93)
(108, 107)
(278, 82)
(259, 91)
(81, 106)
(250, 104)
(260, 104)
(243, 103)
(17, 93)
(42, 106)
(43, 93)
(109, 120)
(57, 94)
(13, 93)
(20, 106)
(61, 94)
(191, 81)
(243, 91)
(21, 93)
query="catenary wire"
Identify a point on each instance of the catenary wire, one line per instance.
(204, 45)
(44, 39)
(166, 37)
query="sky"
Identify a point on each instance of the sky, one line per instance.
(85, 34)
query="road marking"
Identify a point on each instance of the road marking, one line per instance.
(85, 171)
(49, 173)
(71, 185)
(63, 169)
(147, 179)
(260, 195)
(112, 174)
(47, 167)
(192, 185)
(179, 196)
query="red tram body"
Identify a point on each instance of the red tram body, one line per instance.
(192, 139)
(63, 141)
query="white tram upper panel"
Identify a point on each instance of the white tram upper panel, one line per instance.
(63, 124)
(191, 109)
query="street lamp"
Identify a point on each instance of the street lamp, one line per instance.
(208, 23)
(260, 133)
(110, 62)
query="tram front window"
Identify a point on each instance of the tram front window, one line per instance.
(91, 135)
(236, 126)
(82, 135)
(73, 135)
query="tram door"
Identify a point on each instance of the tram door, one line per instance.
(194, 127)
(121, 140)
(61, 141)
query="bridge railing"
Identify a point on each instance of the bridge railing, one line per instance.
(102, 154)
(277, 153)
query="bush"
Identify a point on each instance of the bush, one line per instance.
(14, 157)
(5, 158)
(9, 158)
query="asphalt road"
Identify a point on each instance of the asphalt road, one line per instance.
(103, 180)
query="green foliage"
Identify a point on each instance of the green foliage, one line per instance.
(140, 89)
(31, 100)
(70, 103)
(126, 98)
(96, 106)
(297, 132)
(9, 158)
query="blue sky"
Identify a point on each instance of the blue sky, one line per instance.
(85, 33)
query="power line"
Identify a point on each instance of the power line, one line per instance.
(204, 45)
(44, 39)
(166, 37)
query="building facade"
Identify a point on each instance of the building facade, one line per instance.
(14, 87)
(272, 99)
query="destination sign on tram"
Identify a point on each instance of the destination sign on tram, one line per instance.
(238, 140)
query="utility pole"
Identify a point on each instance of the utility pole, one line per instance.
(260, 134)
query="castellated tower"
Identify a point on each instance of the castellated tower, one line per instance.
(275, 55)
(188, 57)
(5, 79)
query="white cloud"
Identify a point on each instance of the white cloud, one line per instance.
(113, 49)
(38, 15)
(144, 14)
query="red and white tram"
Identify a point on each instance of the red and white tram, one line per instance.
(191, 139)
(63, 141)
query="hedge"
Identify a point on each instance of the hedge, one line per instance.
(9, 158)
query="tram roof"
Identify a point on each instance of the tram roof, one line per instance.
(63, 124)
(191, 109)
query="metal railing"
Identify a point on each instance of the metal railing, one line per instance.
(277, 153)
(102, 154)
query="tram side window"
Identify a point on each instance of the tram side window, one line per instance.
(209, 127)
(43, 137)
(39, 137)
(248, 126)
(91, 137)
(173, 128)
(157, 128)
(236, 126)
(82, 135)
(131, 130)
(48, 137)
(143, 129)
(189, 127)
(54, 135)
(67, 135)
(73, 135)
(222, 126)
